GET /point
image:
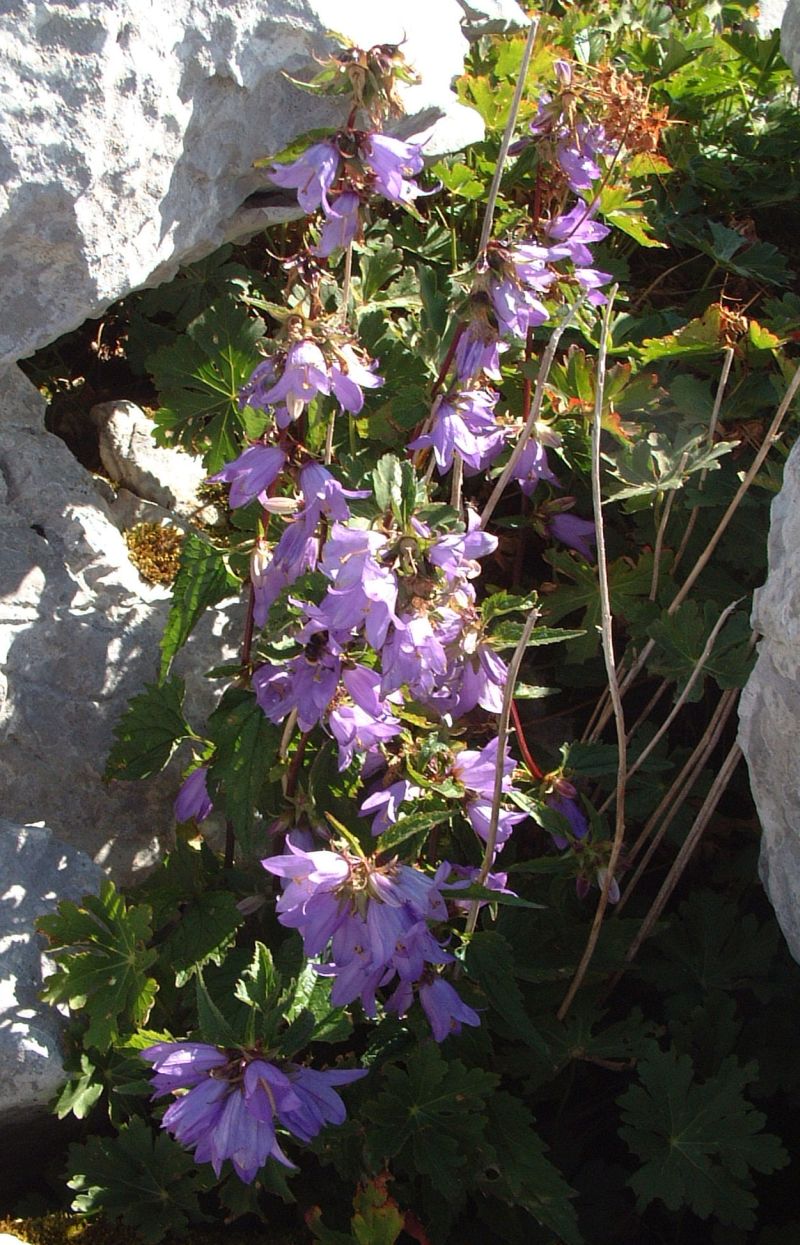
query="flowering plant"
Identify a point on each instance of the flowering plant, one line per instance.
(416, 877)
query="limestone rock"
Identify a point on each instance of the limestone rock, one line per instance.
(79, 633)
(128, 132)
(790, 37)
(769, 711)
(490, 17)
(37, 871)
(167, 477)
(770, 16)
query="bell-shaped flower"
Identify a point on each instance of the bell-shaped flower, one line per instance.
(251, 474)
(312, 174)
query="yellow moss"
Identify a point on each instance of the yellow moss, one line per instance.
(155, 551)
(65, 1229)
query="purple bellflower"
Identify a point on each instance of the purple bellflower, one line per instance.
(574, 231)
(312, 174)
(478, 352)
(236, 1100)
(578, 533)
(251, 473)
(193, 800)
(569, 808)
(341, 224)
(464, 423)
(392, 163)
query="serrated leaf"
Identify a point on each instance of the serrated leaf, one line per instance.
(198, 380)
(377, 1219)
(507, 603)
(102, 960)
(509, 634)
(417, 824)
(489, 961)
(698, 1143)
(214, 1027)
(81, 1091)
(202, 581)
(681, 637)
(207, 926)
(148, 1181)
(148, 732)
(429, 1116)
(522, 1175)
(628, 582)
(246, 748)
(701, 336)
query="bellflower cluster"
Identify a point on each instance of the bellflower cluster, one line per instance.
(231, 1103)
(371, 923)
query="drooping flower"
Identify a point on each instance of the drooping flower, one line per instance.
(386, 801)
(341, 224)
(312, 174)
(573, 232)
(237, 1099)
(578, 533)
(532, 466)
(445, 1010)
(392, 164)
(304, 375)
(251, 473)
(569, 808)
(478, 352)
(464, 423)
(193, 800)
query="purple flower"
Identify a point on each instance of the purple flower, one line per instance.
(324, 495)
(312, 174)
(305, 374)
(578, 533)
(386, 801)
(479, 814)
(341, 224)
(465, 424)
(413, 655)
(295, 553)
(456, 555)
(479, 679)
(391, 163)
(251, 473)
(236, 1099)
(307, 683)
(516, 308)
(478, 351)
(193, 800)
(570, 809)
(357, 731)
(349, 377)
(446, 1012)
(574, 231)
(532, 466)
(476, 770)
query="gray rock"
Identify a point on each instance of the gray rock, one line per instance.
(491, 17)
(167, 477)
(790, 37)
(770, 16)
(37, 871)
(769, 711)
(79, 633)
(128, 133)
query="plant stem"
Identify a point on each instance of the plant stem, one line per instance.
(607, 639)
(536, 408)
(712, 427)
(502, 738)
(494, 189)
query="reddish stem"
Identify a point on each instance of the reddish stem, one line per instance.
(527, 755)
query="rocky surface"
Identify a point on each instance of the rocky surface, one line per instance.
(128, 131)
(37, 871)
(790, 37)
(79, 633)
(770, 16)
(168, 478)
(769, 710)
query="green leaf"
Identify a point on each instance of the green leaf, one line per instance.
(377, 1219)
(418, 824)
(507, 603)
(702, 336)
(102, 960)
(207, 926)
(214, 1027)
(198, 379)
(246, 749)
(489, 961)
(148, 732)
(521, 1173)
(628, 583)
(81, 1091)
(395, 487)
(627, 214)
(429, 1117)
(149, 1182)
(697, 1143)
(509, 634)
(203, 580)
(681, 637)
